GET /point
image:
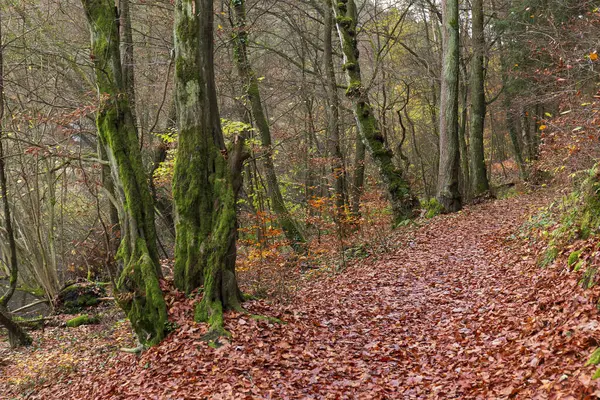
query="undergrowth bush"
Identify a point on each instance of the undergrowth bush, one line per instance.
(571, 228)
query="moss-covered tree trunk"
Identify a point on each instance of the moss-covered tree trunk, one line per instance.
(138, 289)
(127, 60)
(479, 180)
(398, 188)
(448, 192)
(358, 178)
(338, 169)
(16, 335)
(204, 186)
(252, 93)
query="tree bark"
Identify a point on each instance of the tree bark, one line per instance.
(448, 194)
(127, 59)
(464, 177)
(137, 289)
(358, 179)
(398, 188)
(338, 169)
(252, 93)
(206, 176)
(479, 181)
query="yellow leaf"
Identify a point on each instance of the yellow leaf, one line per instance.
(543, 127)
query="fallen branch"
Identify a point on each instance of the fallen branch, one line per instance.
(134, 350)
(35, 303)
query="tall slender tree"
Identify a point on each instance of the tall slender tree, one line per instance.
(478, 173)
(138, 288)
(252, 93)
(448, 193)
(204, 186)
(16, 335)
(333, 114)
(127, 60)
(398, 188)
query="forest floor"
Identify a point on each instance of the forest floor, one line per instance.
(459, 309)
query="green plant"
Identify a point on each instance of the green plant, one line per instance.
(573, 258)
(432, 207)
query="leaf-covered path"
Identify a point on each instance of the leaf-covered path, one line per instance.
(458, 310)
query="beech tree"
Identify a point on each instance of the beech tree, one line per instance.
(447, 193)
(397, 186)
(478, 172)
(137, 287)
(206, 172)
(333, 114)
(252, 94)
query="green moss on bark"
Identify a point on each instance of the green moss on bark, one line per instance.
(398, 188)
(205, 197)
(137, 288)
(288, 224)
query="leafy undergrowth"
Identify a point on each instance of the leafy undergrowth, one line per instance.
(458, 310)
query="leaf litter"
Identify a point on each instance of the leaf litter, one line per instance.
(457, 310)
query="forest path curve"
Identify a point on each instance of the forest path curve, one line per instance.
(458, 310)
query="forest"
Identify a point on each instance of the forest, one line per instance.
(299, 199)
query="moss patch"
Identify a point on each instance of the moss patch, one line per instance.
(573, 258)
(79, 296)
(83, 319)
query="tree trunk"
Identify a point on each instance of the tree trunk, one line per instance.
(127, 60)
(464, 177)
(448, 194)
(250, 84)
(16, 335)
(358, 179)
(511, 117)
(479, 181)
(204, 184)
(138, 290)
(114, 230)
(526, 133)
(338, 169)
(401, 198)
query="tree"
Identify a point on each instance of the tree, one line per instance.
(479, 180)
(397, 186)
(127, 60)
(138, 288)
(448, 194)
(204, 186)
(16, 335)
(252, 94)
(333, 114)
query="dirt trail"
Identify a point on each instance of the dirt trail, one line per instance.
(459, 310)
